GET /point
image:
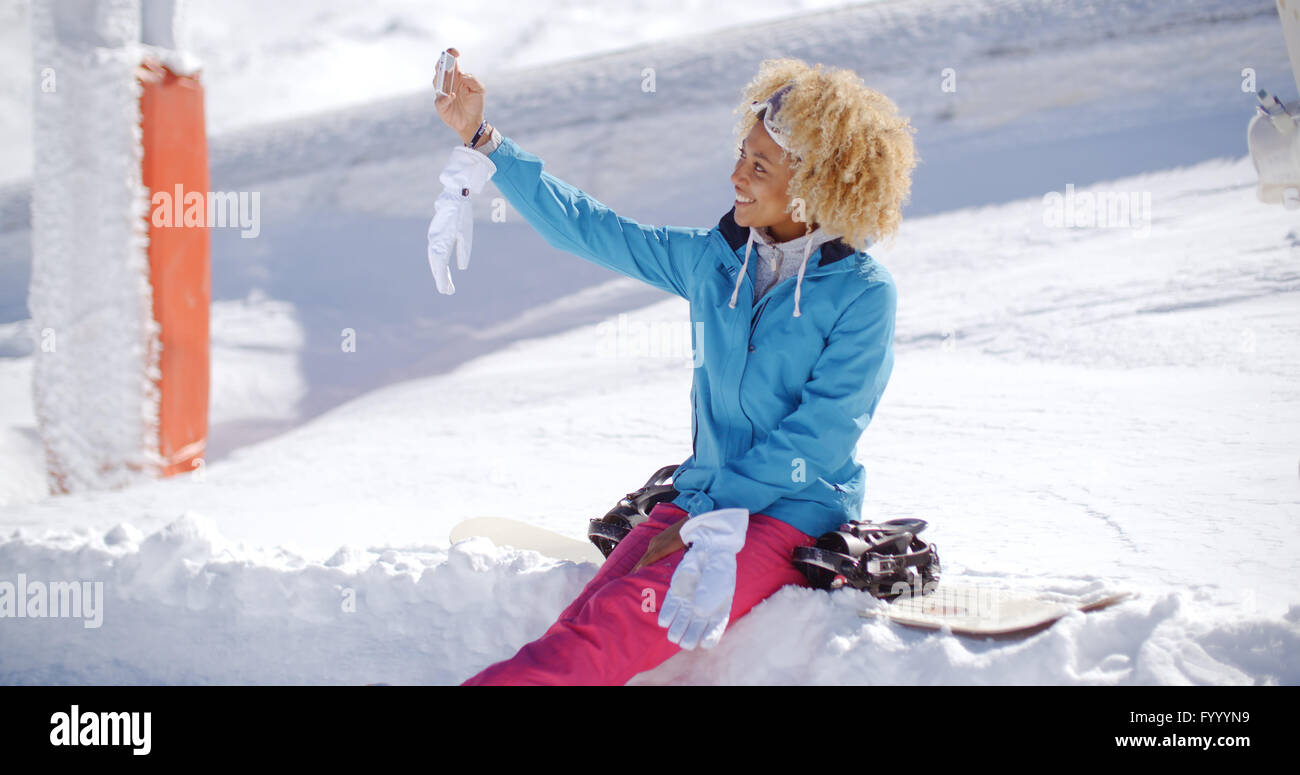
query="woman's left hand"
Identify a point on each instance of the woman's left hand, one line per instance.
(668, 541)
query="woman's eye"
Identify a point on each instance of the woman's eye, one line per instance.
(757, 167)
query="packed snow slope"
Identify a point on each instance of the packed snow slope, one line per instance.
(272, 61)
(1071, 408)
(1046, 94)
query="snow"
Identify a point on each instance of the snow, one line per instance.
(267, 62)
(1070, 408)
(218, 613)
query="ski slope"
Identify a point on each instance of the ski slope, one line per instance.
(1069, 407)
(275, 61)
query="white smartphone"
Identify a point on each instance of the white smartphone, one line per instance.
(444, 79)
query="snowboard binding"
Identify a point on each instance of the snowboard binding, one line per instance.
(883, 558)
(631, 510)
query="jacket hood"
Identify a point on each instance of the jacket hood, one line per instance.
(833, 252)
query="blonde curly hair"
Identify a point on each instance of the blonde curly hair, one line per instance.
(855, 170)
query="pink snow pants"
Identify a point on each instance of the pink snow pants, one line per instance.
(611, 631)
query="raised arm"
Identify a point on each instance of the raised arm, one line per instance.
(666, 257)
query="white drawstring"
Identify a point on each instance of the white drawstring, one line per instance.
(743, 268)
(798, 284)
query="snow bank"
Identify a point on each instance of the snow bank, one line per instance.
(805, 636)
(220, 613)
(216, 612)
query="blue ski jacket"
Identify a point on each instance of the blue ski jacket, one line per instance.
(785, 386)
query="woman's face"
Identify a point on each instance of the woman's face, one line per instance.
(761, 175)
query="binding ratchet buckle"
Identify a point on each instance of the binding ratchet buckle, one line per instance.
(882, 558)
(631, 510)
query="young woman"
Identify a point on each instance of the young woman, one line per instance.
(796, 352)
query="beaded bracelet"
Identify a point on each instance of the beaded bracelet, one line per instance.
(473, 142)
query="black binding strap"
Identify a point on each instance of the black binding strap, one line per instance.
(871, 556)
(631, 510)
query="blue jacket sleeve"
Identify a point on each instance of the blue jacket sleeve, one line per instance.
(570, 220)
(837, 404)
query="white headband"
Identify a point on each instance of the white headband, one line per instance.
(779, 131)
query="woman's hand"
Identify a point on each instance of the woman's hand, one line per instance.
(462, 110)
(668, 541)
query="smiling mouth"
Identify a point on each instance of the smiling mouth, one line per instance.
(741, 203)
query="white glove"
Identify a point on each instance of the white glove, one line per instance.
(698, 605)
(452, 227)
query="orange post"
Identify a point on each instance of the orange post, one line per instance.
(176, 155)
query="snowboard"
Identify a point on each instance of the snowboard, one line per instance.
(521, 535)
(967, 607)
(983, 611)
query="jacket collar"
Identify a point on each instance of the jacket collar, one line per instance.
(736, 237)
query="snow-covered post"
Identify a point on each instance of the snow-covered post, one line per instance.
(101, 387)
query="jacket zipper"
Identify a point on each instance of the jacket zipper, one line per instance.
(695, 416)
(753, 326)
(753, 323)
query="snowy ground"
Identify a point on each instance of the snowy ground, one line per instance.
(273, 61)
(1070, 408)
